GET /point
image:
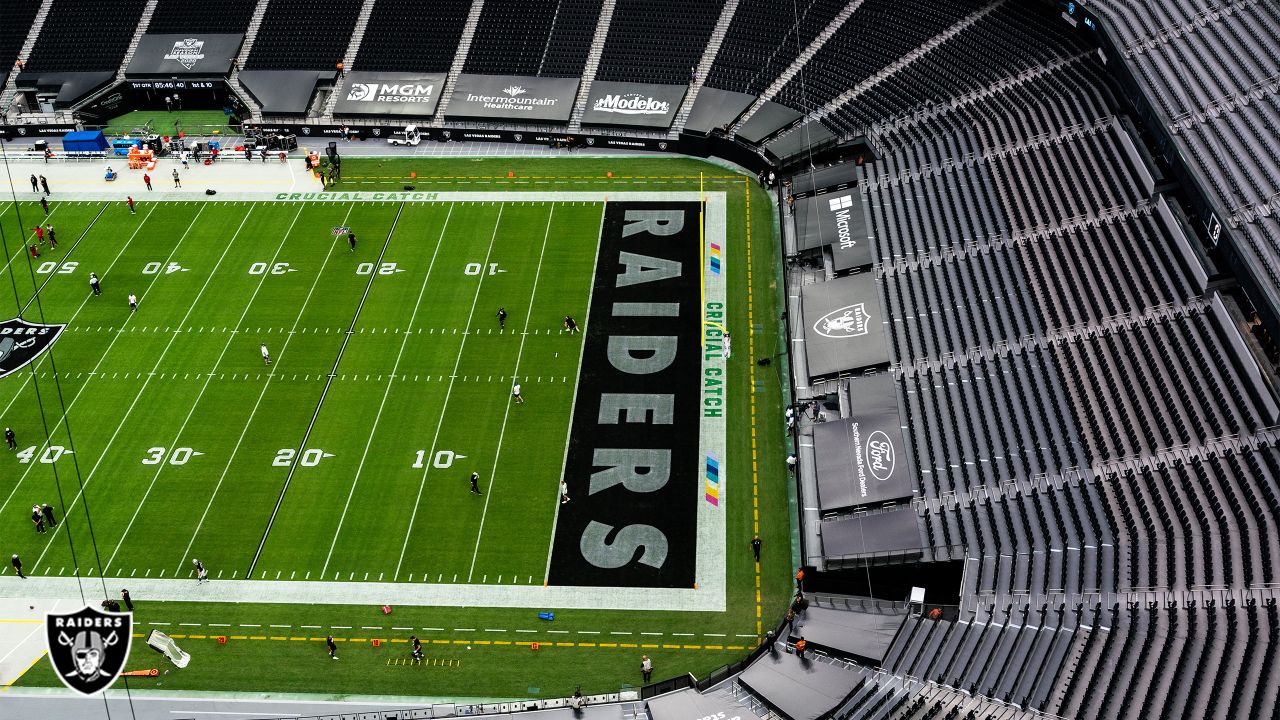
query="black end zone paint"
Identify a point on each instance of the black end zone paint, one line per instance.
(632, 466)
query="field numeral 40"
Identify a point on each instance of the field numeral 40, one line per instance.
(179, 456)
(311, 457)
(48, 457)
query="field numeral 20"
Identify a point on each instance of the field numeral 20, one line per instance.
(441, 459)
(48, 457)
(179, 456)
(367, 268)
(310, 457)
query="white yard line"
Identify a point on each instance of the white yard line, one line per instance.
(92, 373)
(208, 376)
(573, 404)
(386, 393)
(324, 393)
(261, 394)
(142, 390)
(524, 335)
(447, 394)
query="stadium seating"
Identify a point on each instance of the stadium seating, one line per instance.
(84, 36)
(14, 29)
(764, 38)
(533, 37)
(877, 33)
(412, 36)
(303, 35)
(216, 16)
(678, 27)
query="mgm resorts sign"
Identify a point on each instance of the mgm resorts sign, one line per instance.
(633, 104)
(389, 93)
(513, 97)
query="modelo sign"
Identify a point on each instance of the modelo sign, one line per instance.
(633, 104)
(387, 93)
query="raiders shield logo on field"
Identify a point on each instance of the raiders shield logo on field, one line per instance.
(88, 648)
(21, 342)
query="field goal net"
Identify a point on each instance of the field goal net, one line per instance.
(162, 643)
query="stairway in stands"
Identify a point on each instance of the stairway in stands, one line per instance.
(704, 66)
(250, 35)
(593, 64)
(143, 23)
(11, 86)
(349, 59)
(801, 60)
(459, 61)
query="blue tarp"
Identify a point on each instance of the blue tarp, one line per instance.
(85, 141)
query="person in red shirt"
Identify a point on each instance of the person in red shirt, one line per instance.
(130, 201)
(35, 252)
(147, 179)
(39, 234)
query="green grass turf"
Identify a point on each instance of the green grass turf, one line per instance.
(112, 439)
(192, 122)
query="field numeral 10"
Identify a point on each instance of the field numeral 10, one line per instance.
(475, 268)
(311, 457)
(48, 457)
(441, 459)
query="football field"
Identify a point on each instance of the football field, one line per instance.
(348, 457)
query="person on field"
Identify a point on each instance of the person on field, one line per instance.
(128, 599)
(39, 235)
(475, 483)
(515, 393)
(130, 201)
(17, 565)
(44, 205)
(95, 284)
(417, 647)
(47, 511)
(35, 184)
(755, 547)
(202, 575)
(333, 647)
(37, 519)
(10, 438)
(351, 240)
(133, 302)
(266, 356)
(646, 668)
(570, 324)
(177, 181)
(502, 318)
(44, 184)
(564, 492)
(53, 237)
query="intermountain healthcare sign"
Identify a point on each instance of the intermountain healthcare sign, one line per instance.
(388, 93)
(513, 97)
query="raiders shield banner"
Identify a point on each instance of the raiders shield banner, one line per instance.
(21, 342)
(88, 648)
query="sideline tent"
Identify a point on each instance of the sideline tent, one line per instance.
(84, 141)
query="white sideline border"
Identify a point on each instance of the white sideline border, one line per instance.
(708, 595)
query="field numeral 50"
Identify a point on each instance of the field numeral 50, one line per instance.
(311, 457)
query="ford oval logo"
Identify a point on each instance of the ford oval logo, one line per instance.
(845, 322)
(880, 455)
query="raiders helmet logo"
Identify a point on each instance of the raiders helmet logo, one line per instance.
(88, 648)
(21, 342)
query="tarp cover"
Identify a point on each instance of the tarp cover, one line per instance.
(390, 93)
(715, 108)
(843, 326)
(862, 460)
(283, 91)
(802, 689)
(633, 104)
(837, 220)
(70, 86)
(892, 531)
(809, 135)
(513, 97)
(836, 177)
(864, 635)
(767, 120)
(203, 54)
(85, 141)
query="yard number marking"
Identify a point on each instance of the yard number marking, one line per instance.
(311, 457)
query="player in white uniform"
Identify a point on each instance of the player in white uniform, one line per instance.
(266, 356)
(515, 393)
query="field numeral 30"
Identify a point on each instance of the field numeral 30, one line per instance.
(311, 457)
(179, 456)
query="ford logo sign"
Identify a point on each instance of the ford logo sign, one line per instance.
(880, 455)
